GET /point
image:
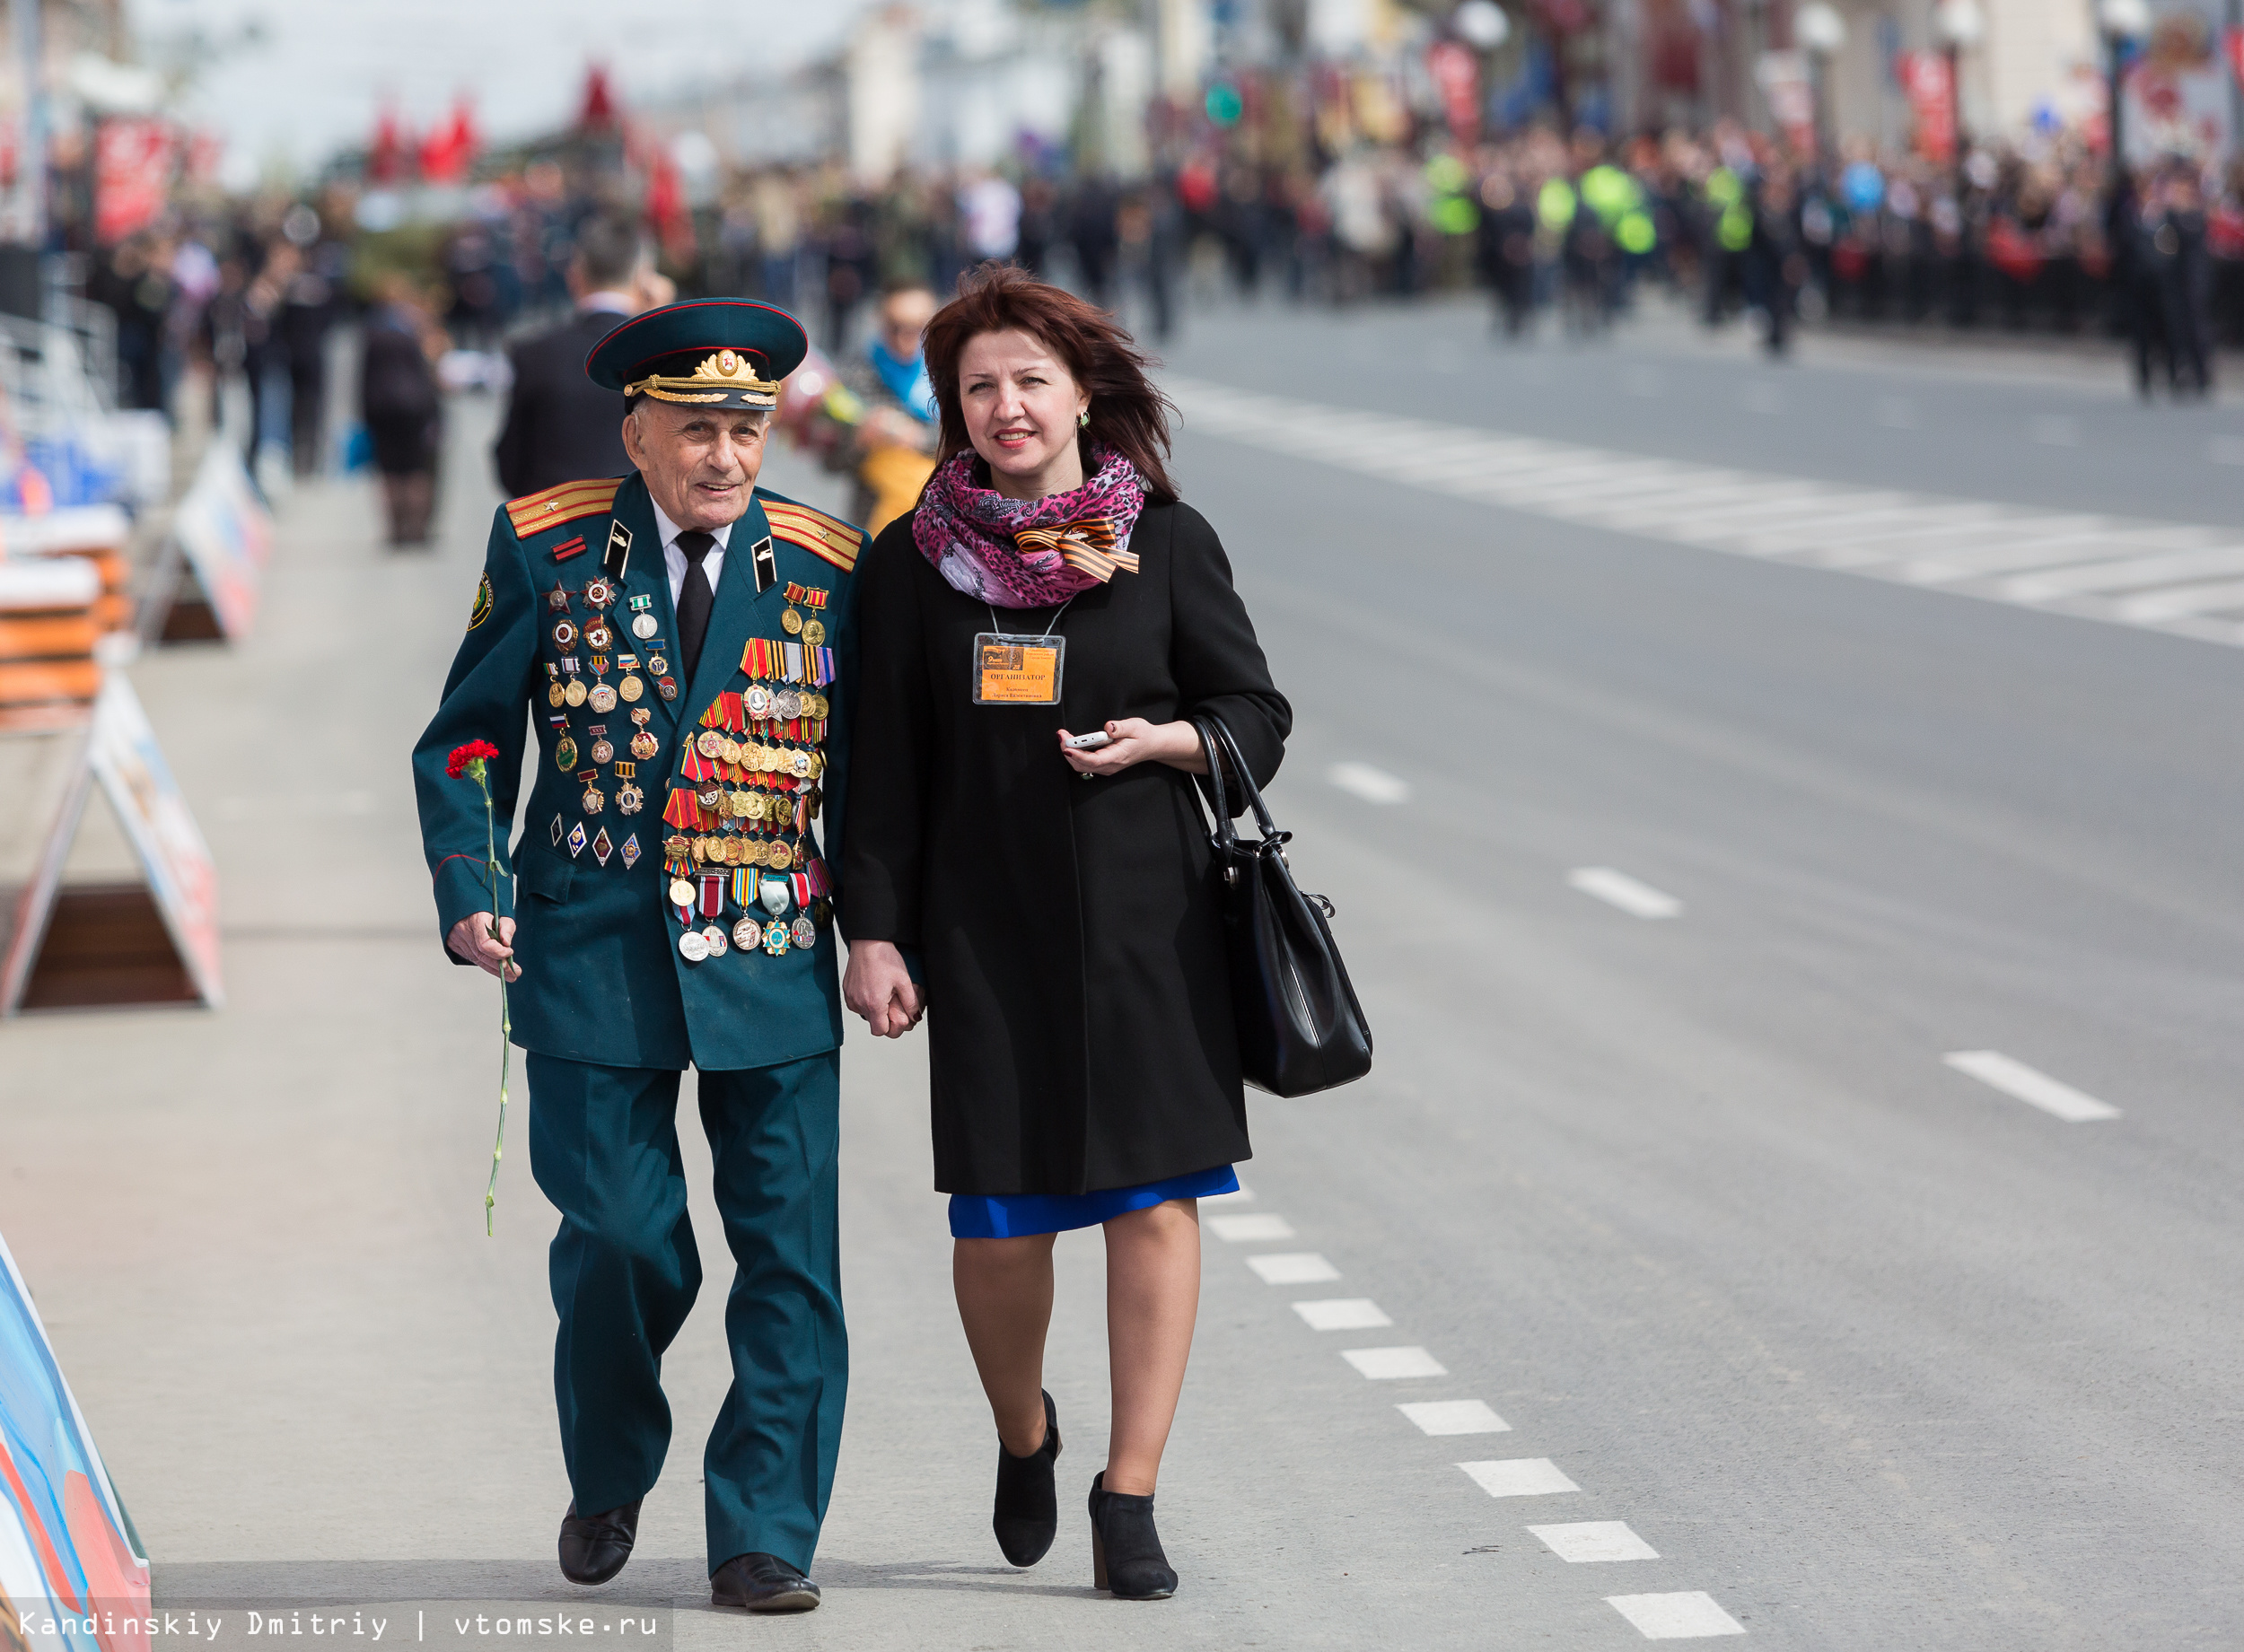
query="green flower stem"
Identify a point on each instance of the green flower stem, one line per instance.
(506, 1023)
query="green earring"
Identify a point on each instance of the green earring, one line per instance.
(1083, 419)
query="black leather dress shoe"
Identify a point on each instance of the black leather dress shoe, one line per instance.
(595, 1547)
(761, 1583)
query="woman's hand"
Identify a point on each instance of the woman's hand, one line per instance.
(878, 987)
(1136, 740)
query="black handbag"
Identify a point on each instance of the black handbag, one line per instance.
(1299, 1027)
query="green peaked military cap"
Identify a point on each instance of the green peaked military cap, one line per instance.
(710, 352)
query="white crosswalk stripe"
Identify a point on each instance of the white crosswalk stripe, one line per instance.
(2161, 576)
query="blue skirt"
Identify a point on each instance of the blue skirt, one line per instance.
(1013, 1216)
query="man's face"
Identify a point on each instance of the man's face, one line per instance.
(904, 318)
(700, 463)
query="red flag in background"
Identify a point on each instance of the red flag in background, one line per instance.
(451, 149)
(666, 202)
(385, 156)
(134, 160)
(1933, 101)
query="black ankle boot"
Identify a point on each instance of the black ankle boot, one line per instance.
(1125, 1554)
(1027, 1512)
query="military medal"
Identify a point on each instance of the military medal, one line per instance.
(565, 752)
(681, 892)
(657, 666)
(773, 896)
(604, 694)
(747, 935)
(757, 700)
(598, 593)
(714, 939)
(630, 688)
(594, 799)
(599, 637)
(814, 629)
(709, 743)
(631, 851)
(602, 752)
(788, 704)
(644, 625)
(790, 621)
(602, 848)
(629, 799)
(556, 831)
(805, 931)
(554, 694)
(557, 598)
(576, 840)
(667, 687)
(693, 946)
(564, 634)
(571, 668)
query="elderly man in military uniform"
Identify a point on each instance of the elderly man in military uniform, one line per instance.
(681, 643)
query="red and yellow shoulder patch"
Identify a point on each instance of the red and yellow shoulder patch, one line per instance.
(536, 513)
(823, 536)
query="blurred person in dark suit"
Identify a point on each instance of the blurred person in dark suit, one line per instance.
(560, 426)
(2184, 269)
(399, 401)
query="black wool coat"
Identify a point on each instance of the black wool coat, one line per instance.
(1079, 1014)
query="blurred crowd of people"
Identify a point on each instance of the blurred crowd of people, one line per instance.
(1574, 228)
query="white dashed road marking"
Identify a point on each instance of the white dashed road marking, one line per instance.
(1638, 900)
(1387, 1364)
(1454, 1417)
(1248, 1229)
(1373, 785)
(1595, 1540)
(1342, 1314)
(1520, 1477)
(1676, 1616)
(1819, 524)
(1294, 1268)
(1689, 1616)
(2036, 1089)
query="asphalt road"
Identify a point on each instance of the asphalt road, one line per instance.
(1867, 1351)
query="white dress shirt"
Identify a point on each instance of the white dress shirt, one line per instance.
(674, 560)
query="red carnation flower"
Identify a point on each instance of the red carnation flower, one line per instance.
(462, 756)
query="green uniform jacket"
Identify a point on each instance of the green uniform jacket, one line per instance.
(602, 978)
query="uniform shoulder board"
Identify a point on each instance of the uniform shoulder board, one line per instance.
(823, 536)
(535, 512)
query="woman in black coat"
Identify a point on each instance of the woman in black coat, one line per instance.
(1059, 897)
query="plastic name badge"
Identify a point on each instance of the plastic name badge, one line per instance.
(1017, 670)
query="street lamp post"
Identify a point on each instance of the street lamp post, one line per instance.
(1822, 32)
(2122, 22)
(1959, 24)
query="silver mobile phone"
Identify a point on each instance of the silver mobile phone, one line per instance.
(1089, 742)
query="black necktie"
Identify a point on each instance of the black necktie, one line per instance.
(695, 599)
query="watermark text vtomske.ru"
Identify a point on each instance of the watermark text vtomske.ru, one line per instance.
(353, 1623)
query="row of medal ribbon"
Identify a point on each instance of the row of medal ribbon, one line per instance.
(703, 895)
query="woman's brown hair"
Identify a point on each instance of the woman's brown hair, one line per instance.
(1128, 412)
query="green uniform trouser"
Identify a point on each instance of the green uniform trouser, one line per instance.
(603, 1145)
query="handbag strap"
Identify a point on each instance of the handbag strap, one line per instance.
(1224, 837)
(1213, 730)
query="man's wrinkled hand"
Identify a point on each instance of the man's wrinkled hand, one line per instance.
(472, 938)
